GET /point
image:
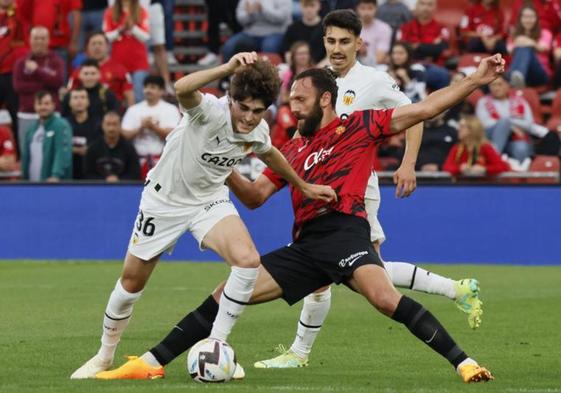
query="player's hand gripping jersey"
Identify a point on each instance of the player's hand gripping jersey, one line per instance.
(201, 152)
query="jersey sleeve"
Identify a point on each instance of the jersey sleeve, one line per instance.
(207, 111)
(377, 123)
(278, 181)
(391, 95)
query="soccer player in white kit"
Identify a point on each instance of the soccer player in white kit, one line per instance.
(360, 88)
(185, 191)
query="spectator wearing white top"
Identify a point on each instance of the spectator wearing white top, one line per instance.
(148, 122)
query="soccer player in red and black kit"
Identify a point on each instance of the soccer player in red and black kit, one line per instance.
(332, 240)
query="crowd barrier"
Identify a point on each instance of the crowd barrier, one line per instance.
(439, 223)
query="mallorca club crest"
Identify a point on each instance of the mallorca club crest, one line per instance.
(341, 129)
(349, 97)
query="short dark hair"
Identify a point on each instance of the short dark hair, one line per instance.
(77, 88)
(344, 19)
(112, 113)
(42, 94)
(92, 35)
(373, 2)
(258, 81)
(89, 62)
(154, 80)
(323, 80)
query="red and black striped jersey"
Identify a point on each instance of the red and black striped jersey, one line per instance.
(340, 155)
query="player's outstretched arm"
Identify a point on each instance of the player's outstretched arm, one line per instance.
(276, 161)
(251, 193)
(406, 116)
(187, 88)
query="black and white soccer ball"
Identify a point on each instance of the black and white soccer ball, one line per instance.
(211, 360)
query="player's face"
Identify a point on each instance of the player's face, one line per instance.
(366, 12)
(111, 126)
(305, 106)
(89, 76)
(97, 47)
(152, 93)
(341, 46)
(45, 107)
(79, 101)
(499, 88)
(246, 114)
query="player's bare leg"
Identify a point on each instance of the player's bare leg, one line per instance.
(194, 327)
(230, 239)
(373, 283)
(118, 313)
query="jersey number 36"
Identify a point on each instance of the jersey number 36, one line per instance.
(145, 226)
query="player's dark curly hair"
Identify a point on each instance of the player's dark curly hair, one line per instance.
(323, 80)
(344, 19)
(258, 81)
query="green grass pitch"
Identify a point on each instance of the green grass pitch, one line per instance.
(50, 322)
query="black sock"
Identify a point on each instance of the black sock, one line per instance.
(426, 327)
(190, 330)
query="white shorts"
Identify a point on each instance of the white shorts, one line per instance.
(157, 24)
(372, 204)
(159, 225)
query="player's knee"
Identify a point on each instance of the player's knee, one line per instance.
(385, 301)
(132, 283)
(248, 258)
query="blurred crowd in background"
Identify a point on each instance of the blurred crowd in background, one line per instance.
(86, 87)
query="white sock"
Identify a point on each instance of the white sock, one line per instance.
(150, 359)
(466, 361)
(234, 298)
(117, 316)
(315, 309)
(407, 275)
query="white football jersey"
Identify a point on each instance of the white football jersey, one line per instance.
(201, 152)
(366, 88)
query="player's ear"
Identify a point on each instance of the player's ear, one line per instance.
(359, 43)
(325, 99)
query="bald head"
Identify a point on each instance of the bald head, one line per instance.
(39, 40)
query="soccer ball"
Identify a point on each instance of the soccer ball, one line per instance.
(211, 360)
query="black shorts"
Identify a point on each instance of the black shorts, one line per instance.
(328, 250)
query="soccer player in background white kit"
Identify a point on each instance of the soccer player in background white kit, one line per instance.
(360, 88)
(185, 191)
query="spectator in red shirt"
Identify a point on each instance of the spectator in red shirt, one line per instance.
(530, 46)
(7, 152)
(113, 74)
(56, 16)
(549, 13)
(473, 156)
(483, 27)
(41, 69)
(126, 25)
(427, 37)
(557, 61)
(11, 47)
